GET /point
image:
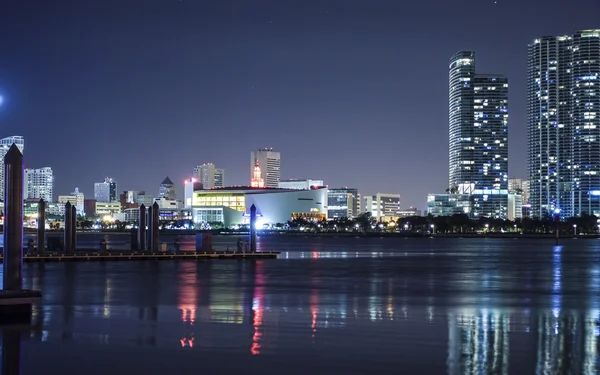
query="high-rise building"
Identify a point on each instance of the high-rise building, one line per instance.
(563, 122)
(106, 191)
(478, 127)
(5, 144)
(40, 183)
(209, 176)
(167, 189)
(270, 165)
(478, 136)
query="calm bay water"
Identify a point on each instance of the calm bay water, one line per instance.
(328, 305)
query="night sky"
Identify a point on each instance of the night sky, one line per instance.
(352, 92)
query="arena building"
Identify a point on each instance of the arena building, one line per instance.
(231, 205)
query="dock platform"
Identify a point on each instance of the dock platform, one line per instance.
(83, 256)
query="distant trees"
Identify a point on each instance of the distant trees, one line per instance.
(455, 224)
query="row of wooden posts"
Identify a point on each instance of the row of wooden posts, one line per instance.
(144, 240)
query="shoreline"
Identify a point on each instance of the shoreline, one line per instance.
(55, 233)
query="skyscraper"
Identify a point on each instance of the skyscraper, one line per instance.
(270, 166)
(40, 183)
(563, 126)
(209, 176)
(460, 106)
(478, 136)
(5, 144)
(106, 191)
(478, 127)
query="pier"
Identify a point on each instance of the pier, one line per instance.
(83, 255)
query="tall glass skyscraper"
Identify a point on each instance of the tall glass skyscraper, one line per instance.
(460, 141)
(563, 124)
(478, 128)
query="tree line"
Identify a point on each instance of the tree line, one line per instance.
(455, 224)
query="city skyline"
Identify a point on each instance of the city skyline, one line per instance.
(332, 104)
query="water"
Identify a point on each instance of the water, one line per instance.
(327, 306)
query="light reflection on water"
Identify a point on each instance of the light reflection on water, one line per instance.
(505, 310)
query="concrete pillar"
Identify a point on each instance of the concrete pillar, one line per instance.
(155, 222)
(13, 219)
(142, 229)
(74, 228)
(67, 233)
(41, 230)
(253, 228)
(133, 239)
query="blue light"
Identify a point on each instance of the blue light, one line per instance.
(557, 211)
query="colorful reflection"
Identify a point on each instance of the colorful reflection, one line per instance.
(188, 292)
(258, 309)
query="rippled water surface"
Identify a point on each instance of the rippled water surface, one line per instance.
(327, 306)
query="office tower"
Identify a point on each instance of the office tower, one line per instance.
(106, 191)
(5, 144)
(563, 126)
(270, 165)
(167, 189)
(478, 136)
(209, 176)
(460, 142)
(40, 183)
(478, 132)
(339, 204)
(383, 207)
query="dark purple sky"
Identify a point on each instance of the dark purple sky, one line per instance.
(353, 92)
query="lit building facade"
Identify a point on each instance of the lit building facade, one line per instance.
(270, 164)
(106, 191)
(383, 207)
(108, 208)
(257, 180)
(209, 176)
(478, 127)
(306, 184)
(167, 189)
(409, 212)
(5, 144)
(340, 204)
(40, 183)
(563, 124)
(448, 204)
(76, 199)
(478, 139)
(190, 185)
(519, 186)
(231, 206)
